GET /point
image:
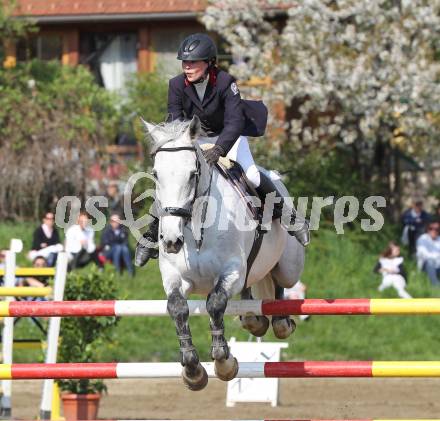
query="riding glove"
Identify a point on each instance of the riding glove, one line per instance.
(213, 154)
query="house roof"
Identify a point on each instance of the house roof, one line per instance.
(59, 8)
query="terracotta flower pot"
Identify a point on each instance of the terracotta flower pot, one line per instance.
(80, 407)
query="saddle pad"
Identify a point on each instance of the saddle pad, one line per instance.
(237, 177)
(233, 172)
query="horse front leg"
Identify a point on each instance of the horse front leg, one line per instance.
(193, 373)
(226, 366)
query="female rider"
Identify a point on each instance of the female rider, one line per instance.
(212, 94)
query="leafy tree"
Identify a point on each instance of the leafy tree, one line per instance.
(53, 121)
(359, 73)
(146, 98)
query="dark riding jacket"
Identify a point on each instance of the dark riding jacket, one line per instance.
(220, 112)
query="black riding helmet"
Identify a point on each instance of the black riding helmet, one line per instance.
(197, 47)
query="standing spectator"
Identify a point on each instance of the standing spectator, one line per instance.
(390, 265)
(428, 253)
(46, 241)
(115, 244)
(80, 243)
(414, 221)
(115, 203)
(436, 216)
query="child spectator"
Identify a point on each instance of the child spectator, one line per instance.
(115, 244)
(390, 265)
(36, 281)
(46, 241)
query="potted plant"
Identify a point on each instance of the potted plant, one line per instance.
(83, 339)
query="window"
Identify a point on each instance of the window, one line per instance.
(112, 57)
(43, 47)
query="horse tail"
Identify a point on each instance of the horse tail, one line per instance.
(264, 289)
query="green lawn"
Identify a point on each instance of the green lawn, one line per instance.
(337, 266)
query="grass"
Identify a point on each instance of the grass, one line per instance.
(337, 266)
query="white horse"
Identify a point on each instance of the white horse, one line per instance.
(213, 263)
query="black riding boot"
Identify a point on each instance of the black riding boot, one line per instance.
(144, 251)
(267, 186)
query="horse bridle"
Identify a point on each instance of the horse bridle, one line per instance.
(174, 210)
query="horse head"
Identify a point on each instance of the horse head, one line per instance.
(177, 169)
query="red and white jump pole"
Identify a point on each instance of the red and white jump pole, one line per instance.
(198, 307)
(293, 369)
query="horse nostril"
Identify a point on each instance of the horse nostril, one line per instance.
(161, 236)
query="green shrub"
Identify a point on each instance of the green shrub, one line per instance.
(83, 339)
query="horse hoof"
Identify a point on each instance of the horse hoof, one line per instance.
(226, 369)
(257, 325)
(196, 382)
(283, 327)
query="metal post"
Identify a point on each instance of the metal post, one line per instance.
(8, 337)
(53, 335)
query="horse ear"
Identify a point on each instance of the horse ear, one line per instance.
(194, 128)
(150, 128)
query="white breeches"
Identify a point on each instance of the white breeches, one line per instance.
(397, 282)
(240, 153)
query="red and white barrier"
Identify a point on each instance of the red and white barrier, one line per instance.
(234, 308)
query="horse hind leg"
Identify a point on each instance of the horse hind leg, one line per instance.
(283, 326)
(285, 274)
(193, 373)
(256, 325)
(226, 366)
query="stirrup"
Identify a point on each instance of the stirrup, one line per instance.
(302, 234)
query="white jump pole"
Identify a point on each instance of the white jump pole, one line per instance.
(53, 335)
(8, 337)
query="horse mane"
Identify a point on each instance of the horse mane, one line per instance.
(169, 131)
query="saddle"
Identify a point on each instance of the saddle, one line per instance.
(233, 172)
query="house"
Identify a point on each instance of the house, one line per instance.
(114, 38)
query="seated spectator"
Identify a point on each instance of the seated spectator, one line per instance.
(80, 244)
(36, 281)
(414, 221)
(390, 265)
(297, 292)
(428, 252)
(115, 244)
(46, 241)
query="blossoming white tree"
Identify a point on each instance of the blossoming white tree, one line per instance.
(360, 72)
